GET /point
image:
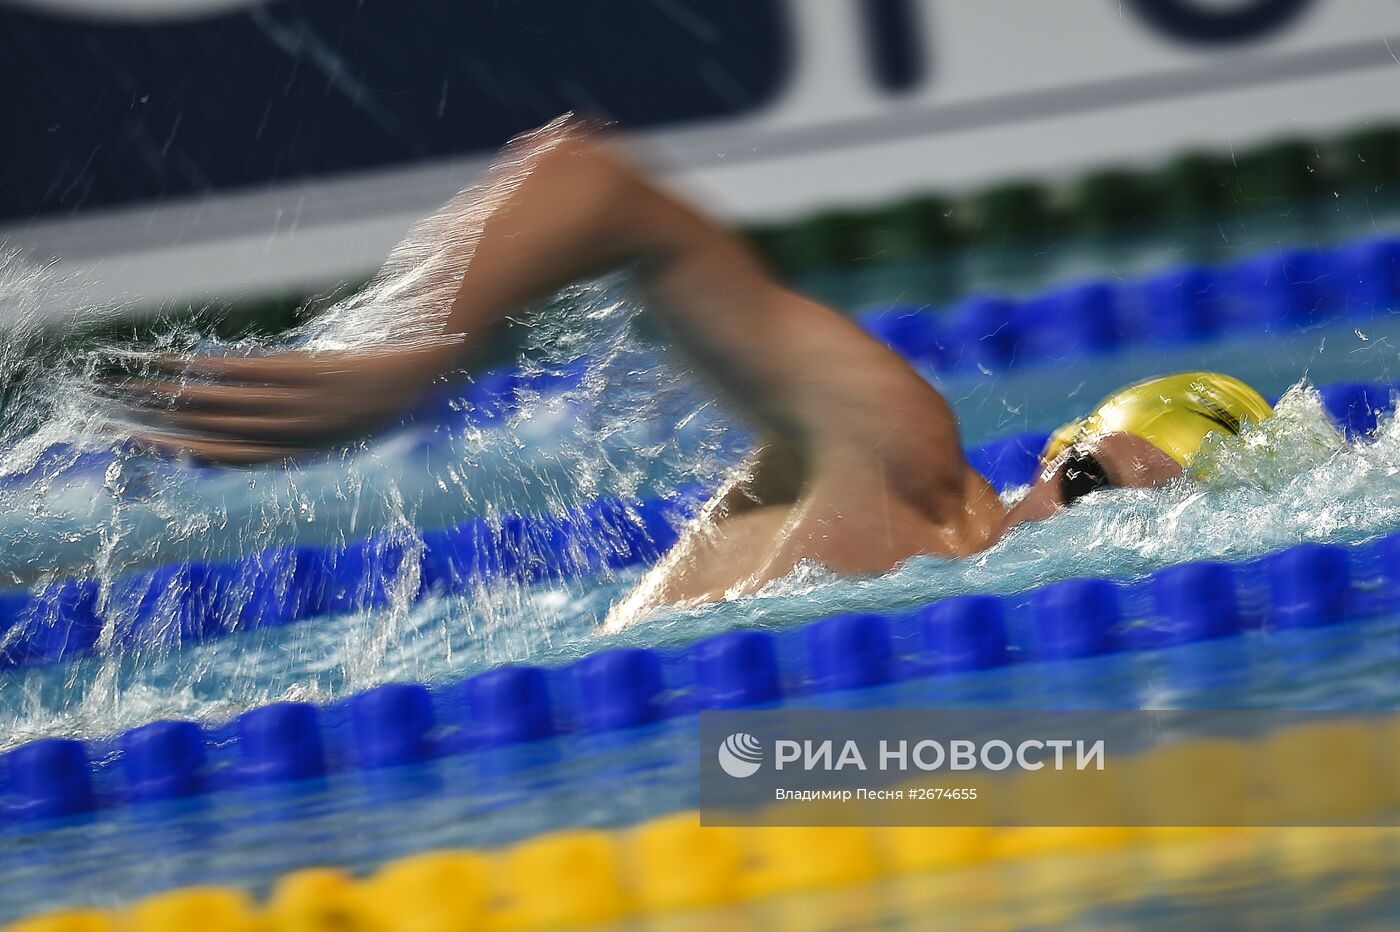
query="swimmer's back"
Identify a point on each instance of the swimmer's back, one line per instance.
(848, 527)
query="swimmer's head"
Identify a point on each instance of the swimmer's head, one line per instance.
(1144, 434)
(1174, 413)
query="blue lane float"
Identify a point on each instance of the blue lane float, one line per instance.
(282, 585)
(964, 633)
(278, 586)
(1309, 585)
(1076, 618)
(1287, 288)
(164, 760)
(1195, 602)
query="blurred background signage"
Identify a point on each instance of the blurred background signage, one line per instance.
(175, 149)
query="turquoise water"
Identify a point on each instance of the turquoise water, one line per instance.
(637, 424)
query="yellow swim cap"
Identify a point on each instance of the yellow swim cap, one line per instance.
(1174, 413)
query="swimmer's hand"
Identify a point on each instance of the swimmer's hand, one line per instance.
(262, 408)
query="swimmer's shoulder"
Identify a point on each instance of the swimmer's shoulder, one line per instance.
(983, 513)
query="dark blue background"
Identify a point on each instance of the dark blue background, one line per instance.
(105, 112)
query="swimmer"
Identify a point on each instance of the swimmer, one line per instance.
(860, 467)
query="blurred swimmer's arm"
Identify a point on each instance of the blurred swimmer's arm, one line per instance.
(816, 381)
(562, 205)
(260, 408)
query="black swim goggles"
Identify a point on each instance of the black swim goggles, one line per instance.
(1081, 474)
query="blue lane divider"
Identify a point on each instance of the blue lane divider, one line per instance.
(966, 632)
(1196, 602)
(1077, 618)
(281, 585)
(1183, 304)
(1309, 585)
(278, 586)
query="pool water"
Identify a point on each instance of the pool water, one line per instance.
(250, 836)
(1290, 480)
